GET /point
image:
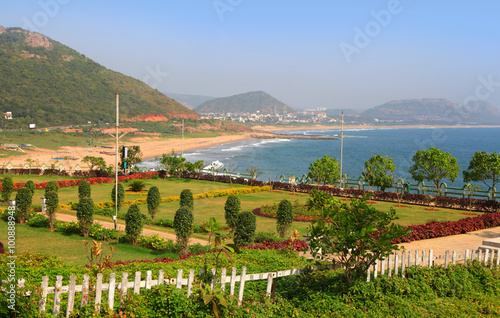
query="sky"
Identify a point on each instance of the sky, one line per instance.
(333, 54)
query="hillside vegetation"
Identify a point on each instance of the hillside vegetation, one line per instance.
(245, 103)
(47, 83)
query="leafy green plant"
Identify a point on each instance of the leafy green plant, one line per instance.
(284, 217)
(325, 170)
(136, 185)
(187, 199)
(84, 189)
(23, 203)
(246, 224)
(51, 186)
(484, 167)
(376, 172)
(232, 208)
(39, 220)
(102, 234)
(183, 226)
(7, 188)
(30, 185)
(153, 201)
(134, 222)
(85, 215)
(52, 201)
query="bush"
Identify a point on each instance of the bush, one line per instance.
(165, 223)
(84, 189)
(101, 234)
(85, 215)
(23, 203)
(134, 222)
(121, 195)
(136, 185)
(51, 200)
(104, 212)
(183, 226)
(246, 224)
(232, 208)
(69, 228)
(284, 217)
(187, 199)
(7, 188)
(157, 243)
(51, 186)
(153, 201)
(262, 237)
(39, 220)
(30, 185)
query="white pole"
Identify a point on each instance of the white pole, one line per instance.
(116, 159)
(341, 148)
(182, 139)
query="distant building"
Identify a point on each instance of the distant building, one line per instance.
(8, 115)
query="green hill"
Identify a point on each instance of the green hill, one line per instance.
(245, 103)
(47, 83)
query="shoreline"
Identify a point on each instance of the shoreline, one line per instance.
(152, 146)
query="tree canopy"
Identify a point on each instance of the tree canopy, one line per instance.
(376, 171)
(483, 168)
(325, 170)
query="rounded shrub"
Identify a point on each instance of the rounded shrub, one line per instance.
(232, 208)
(187, 199)
(246, 224)
(284, 217)
(153, 201)
(23, 203)
(51, 186)
(121, 195)
(51, 200)
(30, 185)
(85, 215)
(134, 222)
(183, 226)
(7, 188)
(84, 189)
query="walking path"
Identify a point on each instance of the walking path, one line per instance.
(121, 227)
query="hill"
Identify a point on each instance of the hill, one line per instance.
(433, 110)
(47, 83)
(251, 102)
(189, 101)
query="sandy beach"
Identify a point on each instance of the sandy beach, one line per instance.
(152, 146)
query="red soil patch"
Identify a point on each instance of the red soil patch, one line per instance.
(401, 206)
(431, 209)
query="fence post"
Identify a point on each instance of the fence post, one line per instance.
(486, 256)
(269, 284)
(454, 257)
(161, 277)
(467, 256)
(111, 291)
(431, 258)
(57, 295)
(403, 263)
(396, 261)
(417, 259)
(498, 258)
(85, 290)
(137, 283)
(190, 283)
(98, 292)
(149, 274)
(389, 269)
(382, 267)
(242, 284)
(178, 284)
(212, 281)
(233, 281)
(123, 288)
(71, 295)
(43, 300)
(223, 279)
(446, 259)
(368, 273)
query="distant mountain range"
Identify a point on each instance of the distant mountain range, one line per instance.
(189, 101)
(434, 110)
(48, 83)
(251, 102)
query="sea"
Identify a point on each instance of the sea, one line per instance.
(287, 157)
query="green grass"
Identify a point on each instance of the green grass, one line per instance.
(52, 140)
(71, 248)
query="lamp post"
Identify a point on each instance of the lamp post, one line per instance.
(341, 148)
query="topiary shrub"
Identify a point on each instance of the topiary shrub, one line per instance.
(38, 220)
(136, 185)
(51, 186)
(7, 188)
(153, 201)
(246, 224)
(51, 200)
(284, 217)
(84, 189)
(187, 199)
(30, 185)
(23, 203)
(183, 226)
(121, 195)
(85, 215)
(134, 222)
(232, 208)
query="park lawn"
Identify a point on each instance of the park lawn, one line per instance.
(54, 140)
(71, 247)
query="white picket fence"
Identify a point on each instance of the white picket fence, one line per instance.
(394, 265)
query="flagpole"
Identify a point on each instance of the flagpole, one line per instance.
(116, 159)
(341, 149)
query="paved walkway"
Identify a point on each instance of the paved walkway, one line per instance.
(121, 227)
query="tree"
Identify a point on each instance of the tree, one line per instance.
(31, 162)
(232, 208)
(434, 165)
(52, 201)
(376, 170)
(153, 201)
(84, 189)
(357, 236)
(51, 186)
(187, 199)
(94, 162)
(254, 173)
(284, 217)
(172, 163)
(23, 203)
(324, 171)
(134, 156)
(484, 167)
(85, 215)
(7, 188)
(246, 224)
(121, 195)
(134, 222)
(183, 226)
(30, 185)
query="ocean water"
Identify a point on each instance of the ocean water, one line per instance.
(277, 157)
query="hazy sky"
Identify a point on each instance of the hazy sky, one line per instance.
(334, 54)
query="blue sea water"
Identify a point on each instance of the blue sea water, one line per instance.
(292, 156)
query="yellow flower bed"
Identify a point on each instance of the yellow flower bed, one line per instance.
(64, 206)
(204, 195)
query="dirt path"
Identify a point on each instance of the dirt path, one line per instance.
(121, 227)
